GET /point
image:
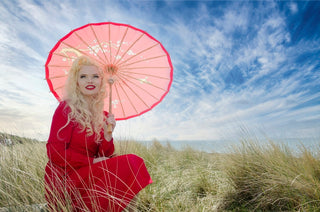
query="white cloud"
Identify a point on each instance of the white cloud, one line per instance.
(293, 7)
(233, 20)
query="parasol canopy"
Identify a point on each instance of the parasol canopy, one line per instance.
(138, 65)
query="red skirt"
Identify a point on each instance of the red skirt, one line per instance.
(108, 185)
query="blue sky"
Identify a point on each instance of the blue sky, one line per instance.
(238, 65)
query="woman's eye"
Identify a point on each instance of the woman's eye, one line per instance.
(96, 76)
(82, 76)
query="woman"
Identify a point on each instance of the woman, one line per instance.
(82, 173)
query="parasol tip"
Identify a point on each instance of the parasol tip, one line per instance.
(111, 69)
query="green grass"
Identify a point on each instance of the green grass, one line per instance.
(251, 178)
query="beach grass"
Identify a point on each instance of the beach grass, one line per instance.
(270, 177)
(252, 177)
(21, 173)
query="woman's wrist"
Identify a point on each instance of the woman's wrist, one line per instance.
(108, 136)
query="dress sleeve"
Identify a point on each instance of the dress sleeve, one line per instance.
(58, 143)
(106, 148)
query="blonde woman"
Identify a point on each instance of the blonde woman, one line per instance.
(82, 174)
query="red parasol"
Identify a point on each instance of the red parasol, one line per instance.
(139, 67)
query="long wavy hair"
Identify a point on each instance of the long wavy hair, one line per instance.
(89, 115)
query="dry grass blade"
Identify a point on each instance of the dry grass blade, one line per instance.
(253, 177)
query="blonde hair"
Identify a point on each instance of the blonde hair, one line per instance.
(88, 114)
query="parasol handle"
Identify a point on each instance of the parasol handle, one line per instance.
(109, 127)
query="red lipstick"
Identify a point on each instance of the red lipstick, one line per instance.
(90, 87)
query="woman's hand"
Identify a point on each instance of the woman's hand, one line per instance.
(110, 120)
(96, 160)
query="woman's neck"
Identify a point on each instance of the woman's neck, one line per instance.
(89, 99)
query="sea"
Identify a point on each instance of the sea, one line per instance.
(295, 145)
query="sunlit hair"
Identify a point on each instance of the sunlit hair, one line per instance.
(88, 114)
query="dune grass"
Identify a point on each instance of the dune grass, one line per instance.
(21, 175)
(252, 177)
(270, 177)
(185, 180)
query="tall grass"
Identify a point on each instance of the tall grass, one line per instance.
(185, 180)
(253, 177)
(270, 177)
(21, 175)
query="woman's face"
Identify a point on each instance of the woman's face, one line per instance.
(89, 80)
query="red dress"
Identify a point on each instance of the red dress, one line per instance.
(73, 181)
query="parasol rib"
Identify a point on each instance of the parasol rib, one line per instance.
(128, 98)
(60, 76)
(136, 94)
(64, 55)
(123, 112)
(110, 43)
(143, 88)
(124, 35)
(147, 67)
(95, 35)
(82, 52)
(60, 66)
(139, 53)
(140, 80)
(143, 60)
(149, 75)
(131, 47)
(60, 87)
(89, 46)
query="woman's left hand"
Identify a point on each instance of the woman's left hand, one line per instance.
(110, 120)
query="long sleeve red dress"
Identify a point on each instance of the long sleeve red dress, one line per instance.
(72, 180)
